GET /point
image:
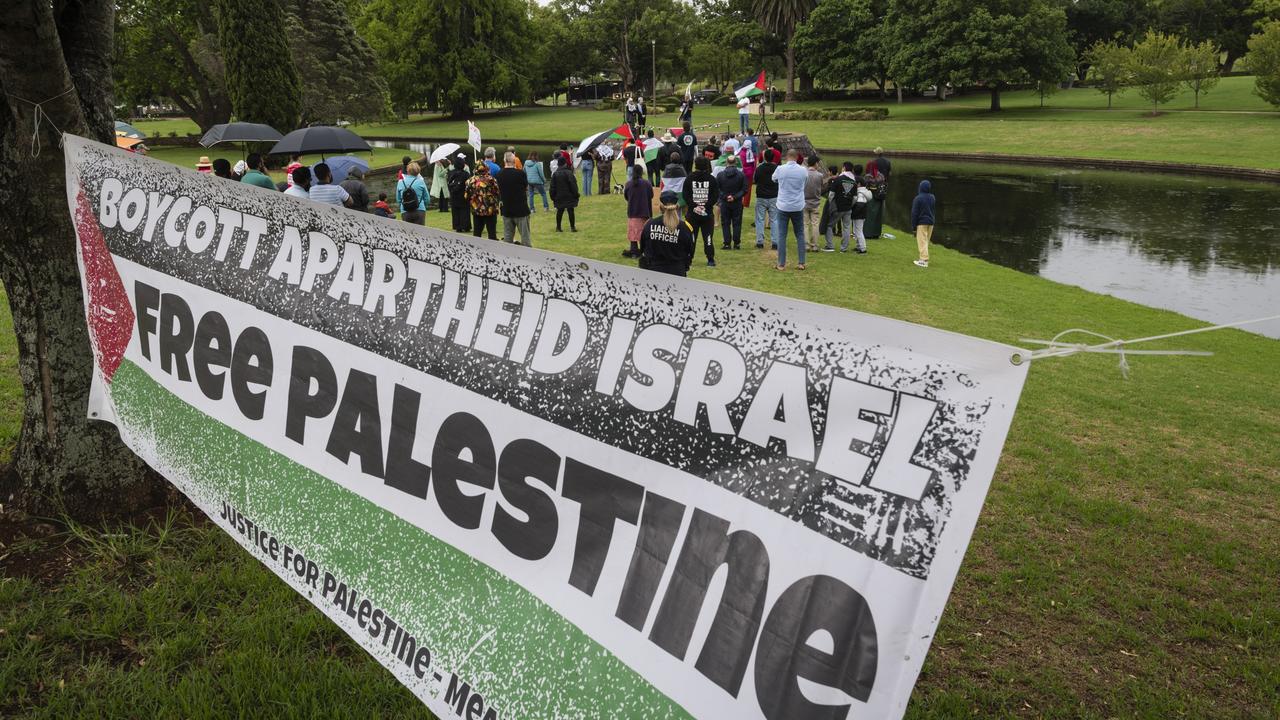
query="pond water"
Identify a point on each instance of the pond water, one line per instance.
(1205, 247)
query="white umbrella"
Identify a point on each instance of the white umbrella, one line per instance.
(444, 151)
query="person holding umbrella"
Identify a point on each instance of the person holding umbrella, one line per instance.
(440, 184)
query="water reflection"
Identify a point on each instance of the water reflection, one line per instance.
(1204, 247)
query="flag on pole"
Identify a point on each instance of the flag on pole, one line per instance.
(473, 135)
(589, 143)
(750, 87)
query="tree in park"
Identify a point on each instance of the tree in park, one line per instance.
(56, 55)
(1264, 62)
(1156, 65)
(782, 17)
(1090, 22)
(1227, 23)
(1200, 67)
(992, 42)
(261, 78)
(843, 42)
(167, 50)
(1109, 68)
(335, 65)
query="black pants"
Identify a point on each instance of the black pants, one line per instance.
(706, 225)
(461, 213)
(481, 222)
(655, 174)
(444, 203)
(560, 211)
(731, 224)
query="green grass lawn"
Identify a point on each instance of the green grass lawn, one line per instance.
(1125, 564)
(1233, 127)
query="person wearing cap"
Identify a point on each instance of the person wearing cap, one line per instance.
(354, 185)
(257, 174)
(204, 165)
(300, 182)
(458, 206)
(666, 242)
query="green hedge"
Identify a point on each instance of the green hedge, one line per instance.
(835, 114)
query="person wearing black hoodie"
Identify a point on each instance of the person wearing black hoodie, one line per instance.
(922, 220)
(733, 184)
(701, 194)
(456, 181)
(564, 193)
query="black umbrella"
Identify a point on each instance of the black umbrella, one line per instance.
(320, 139)
(240, 132)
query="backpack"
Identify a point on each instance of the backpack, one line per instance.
(859, 205)
(457, 181)
(408, 197)
(844, 190)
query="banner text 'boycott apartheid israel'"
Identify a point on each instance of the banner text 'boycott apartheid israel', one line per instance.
(537, 487)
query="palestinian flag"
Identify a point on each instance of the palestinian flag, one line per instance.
(750, 87)
(652, 146)
(589, 143)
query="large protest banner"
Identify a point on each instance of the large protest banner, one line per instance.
(534, 486)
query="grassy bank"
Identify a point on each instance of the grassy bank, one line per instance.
(1125, 564)
(1232, 127)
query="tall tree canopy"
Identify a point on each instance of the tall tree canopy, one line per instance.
(844, 42)
(167, 50)
(450, 54)
(261, 78)
(992, 42)
(59, 56)
(336, 66)
(782, 17)
(1228, 23)
(1090, 22)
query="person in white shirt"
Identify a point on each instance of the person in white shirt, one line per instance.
(744, 114)
(301, 177)
(324, 191)
(790, 209)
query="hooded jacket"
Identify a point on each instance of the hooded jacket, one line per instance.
(923, 206)
(733, 182)
(701, 193)
(564, 187)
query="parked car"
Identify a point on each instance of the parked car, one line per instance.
(703, 97)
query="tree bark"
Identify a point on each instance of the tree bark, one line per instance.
(791, 69)
(59, 58)
(995, 98)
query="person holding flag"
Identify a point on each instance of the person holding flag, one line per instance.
(744, 91)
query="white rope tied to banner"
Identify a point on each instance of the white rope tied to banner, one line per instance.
(1056, 348)
(38, 113)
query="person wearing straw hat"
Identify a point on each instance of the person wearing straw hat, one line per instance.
(204, 164)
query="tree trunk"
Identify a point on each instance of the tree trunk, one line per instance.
(791, 70)
(995, 98)
(63, 460)
(1230, 61)
(899, 89)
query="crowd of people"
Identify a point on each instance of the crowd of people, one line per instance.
(699, 187)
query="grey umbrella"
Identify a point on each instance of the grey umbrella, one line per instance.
(320, 139)
(240, 132)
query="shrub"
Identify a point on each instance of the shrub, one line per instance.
(835, 114)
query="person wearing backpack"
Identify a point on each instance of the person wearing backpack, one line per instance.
(861, 202)
(456, 181)
(844, 188)
(483, 197)
(411, 194)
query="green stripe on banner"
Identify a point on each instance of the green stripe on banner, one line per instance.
(531, 666)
